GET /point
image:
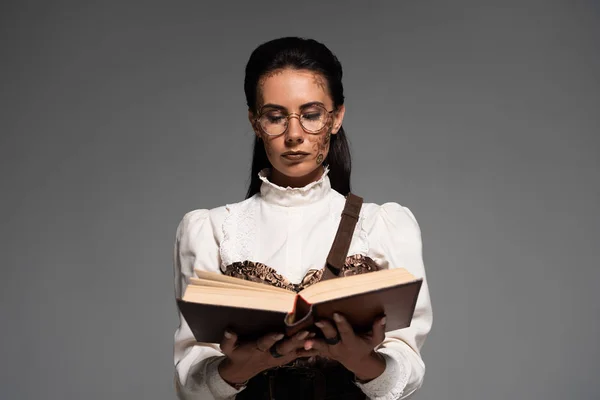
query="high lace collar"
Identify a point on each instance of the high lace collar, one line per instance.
(291, 197)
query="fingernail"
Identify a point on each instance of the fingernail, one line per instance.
(302, 335)
(319, 324)
(228, 335)
(383, 320)
(337, 317)
(312, 335)
(308, 345)
(279, 336)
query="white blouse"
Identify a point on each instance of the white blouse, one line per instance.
(291, 230)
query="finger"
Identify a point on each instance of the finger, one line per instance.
(317, 345)
(295, 342)
(264, 343)
(378, 331)
(228, 342)
(329, 330)
(344, 328)
(306, 353)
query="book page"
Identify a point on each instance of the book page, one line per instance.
(356, 284)
(241, 298)
(233, 282)
(212, 283)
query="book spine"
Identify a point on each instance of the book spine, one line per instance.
(301, 318)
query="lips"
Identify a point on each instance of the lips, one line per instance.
(295, 156)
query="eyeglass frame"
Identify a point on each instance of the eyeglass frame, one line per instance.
(295, 115)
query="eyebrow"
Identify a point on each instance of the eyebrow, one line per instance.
(279, 107)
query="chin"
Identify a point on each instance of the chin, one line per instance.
(297, 170)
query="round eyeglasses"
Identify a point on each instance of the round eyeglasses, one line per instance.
(275, 122)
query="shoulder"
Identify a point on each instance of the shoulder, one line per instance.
(212, 219)
(391, 216)
(196, 218)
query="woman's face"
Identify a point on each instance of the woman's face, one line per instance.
(293, 91)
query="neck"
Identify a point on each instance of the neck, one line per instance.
(295, 181)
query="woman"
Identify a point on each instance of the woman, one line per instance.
(281, 234)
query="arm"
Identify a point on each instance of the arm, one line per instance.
(395, 242)
(196, 364)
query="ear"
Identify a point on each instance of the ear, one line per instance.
(338, 117)
(252, 123)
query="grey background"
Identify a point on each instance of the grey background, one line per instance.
(119, 117)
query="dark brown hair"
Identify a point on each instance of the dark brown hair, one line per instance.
(302, 54)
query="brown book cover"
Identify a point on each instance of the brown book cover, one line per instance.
(214, 302)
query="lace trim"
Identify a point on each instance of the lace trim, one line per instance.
(362, 245)
(391, 384)
(238, 232)
(359, 264)
(261, 273)
(263, 175)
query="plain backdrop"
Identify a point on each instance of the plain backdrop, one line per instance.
(119, 117)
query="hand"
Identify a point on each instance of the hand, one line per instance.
(355, 352)
(244, 360)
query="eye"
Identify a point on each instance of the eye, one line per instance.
(274, 117)
(313, 115)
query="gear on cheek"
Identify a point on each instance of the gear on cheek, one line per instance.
(323, 147)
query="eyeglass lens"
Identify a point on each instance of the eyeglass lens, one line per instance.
(312, 119)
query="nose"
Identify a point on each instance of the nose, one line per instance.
(294, 133)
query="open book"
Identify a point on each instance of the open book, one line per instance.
(213, 302)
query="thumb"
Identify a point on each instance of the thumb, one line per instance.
(228, 343)
(378, 331)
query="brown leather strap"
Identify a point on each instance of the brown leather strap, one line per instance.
(343, 237)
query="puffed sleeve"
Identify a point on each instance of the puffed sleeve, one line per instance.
(395, 242)
(196, 374)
